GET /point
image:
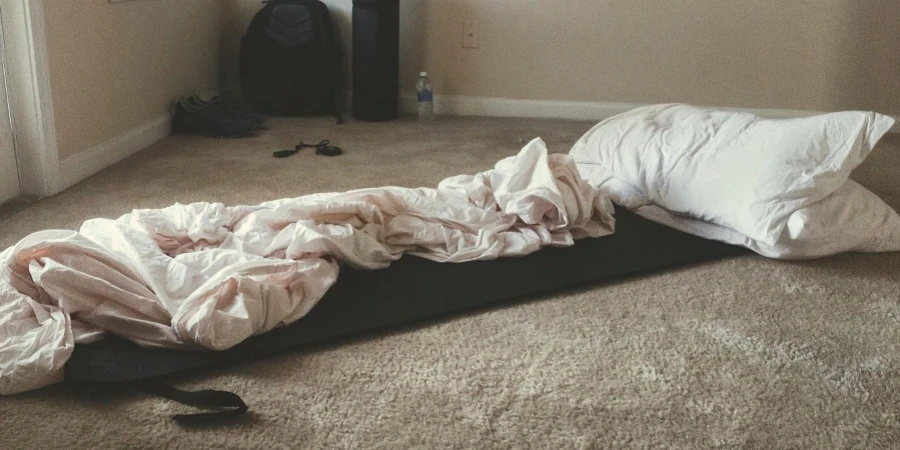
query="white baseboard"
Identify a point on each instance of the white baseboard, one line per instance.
(82, 165)
(460, 105)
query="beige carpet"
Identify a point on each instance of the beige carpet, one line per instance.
(742, 353)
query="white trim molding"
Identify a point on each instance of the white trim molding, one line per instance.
(82, 165)
(31, 103)
(79, 166)
(31, 106)
(460, 105)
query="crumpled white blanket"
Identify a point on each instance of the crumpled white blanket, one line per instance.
(209, 276)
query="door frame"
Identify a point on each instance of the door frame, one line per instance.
(30, 100)
(10, 181)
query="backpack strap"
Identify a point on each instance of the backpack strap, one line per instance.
(220, 405)
(225, 405)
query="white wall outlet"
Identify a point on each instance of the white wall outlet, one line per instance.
(471, 34)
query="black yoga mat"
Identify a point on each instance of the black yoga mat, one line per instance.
(414, 289)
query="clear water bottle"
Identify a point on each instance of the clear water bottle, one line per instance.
(426, 98)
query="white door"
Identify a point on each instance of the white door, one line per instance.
(9, 173)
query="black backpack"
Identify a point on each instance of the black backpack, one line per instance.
(290, 61)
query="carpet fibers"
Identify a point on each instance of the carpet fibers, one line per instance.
(741, 353)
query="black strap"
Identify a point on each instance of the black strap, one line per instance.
(226, 405)
(322, 148)
(285, 153)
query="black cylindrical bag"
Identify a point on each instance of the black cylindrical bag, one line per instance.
(376, 59)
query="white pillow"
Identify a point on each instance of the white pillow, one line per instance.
(779, 187)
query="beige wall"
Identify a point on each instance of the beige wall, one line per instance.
(117, 66)
(817, 55)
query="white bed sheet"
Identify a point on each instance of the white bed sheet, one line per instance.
(209, 276)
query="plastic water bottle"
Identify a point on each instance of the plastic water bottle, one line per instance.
(426, 98)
